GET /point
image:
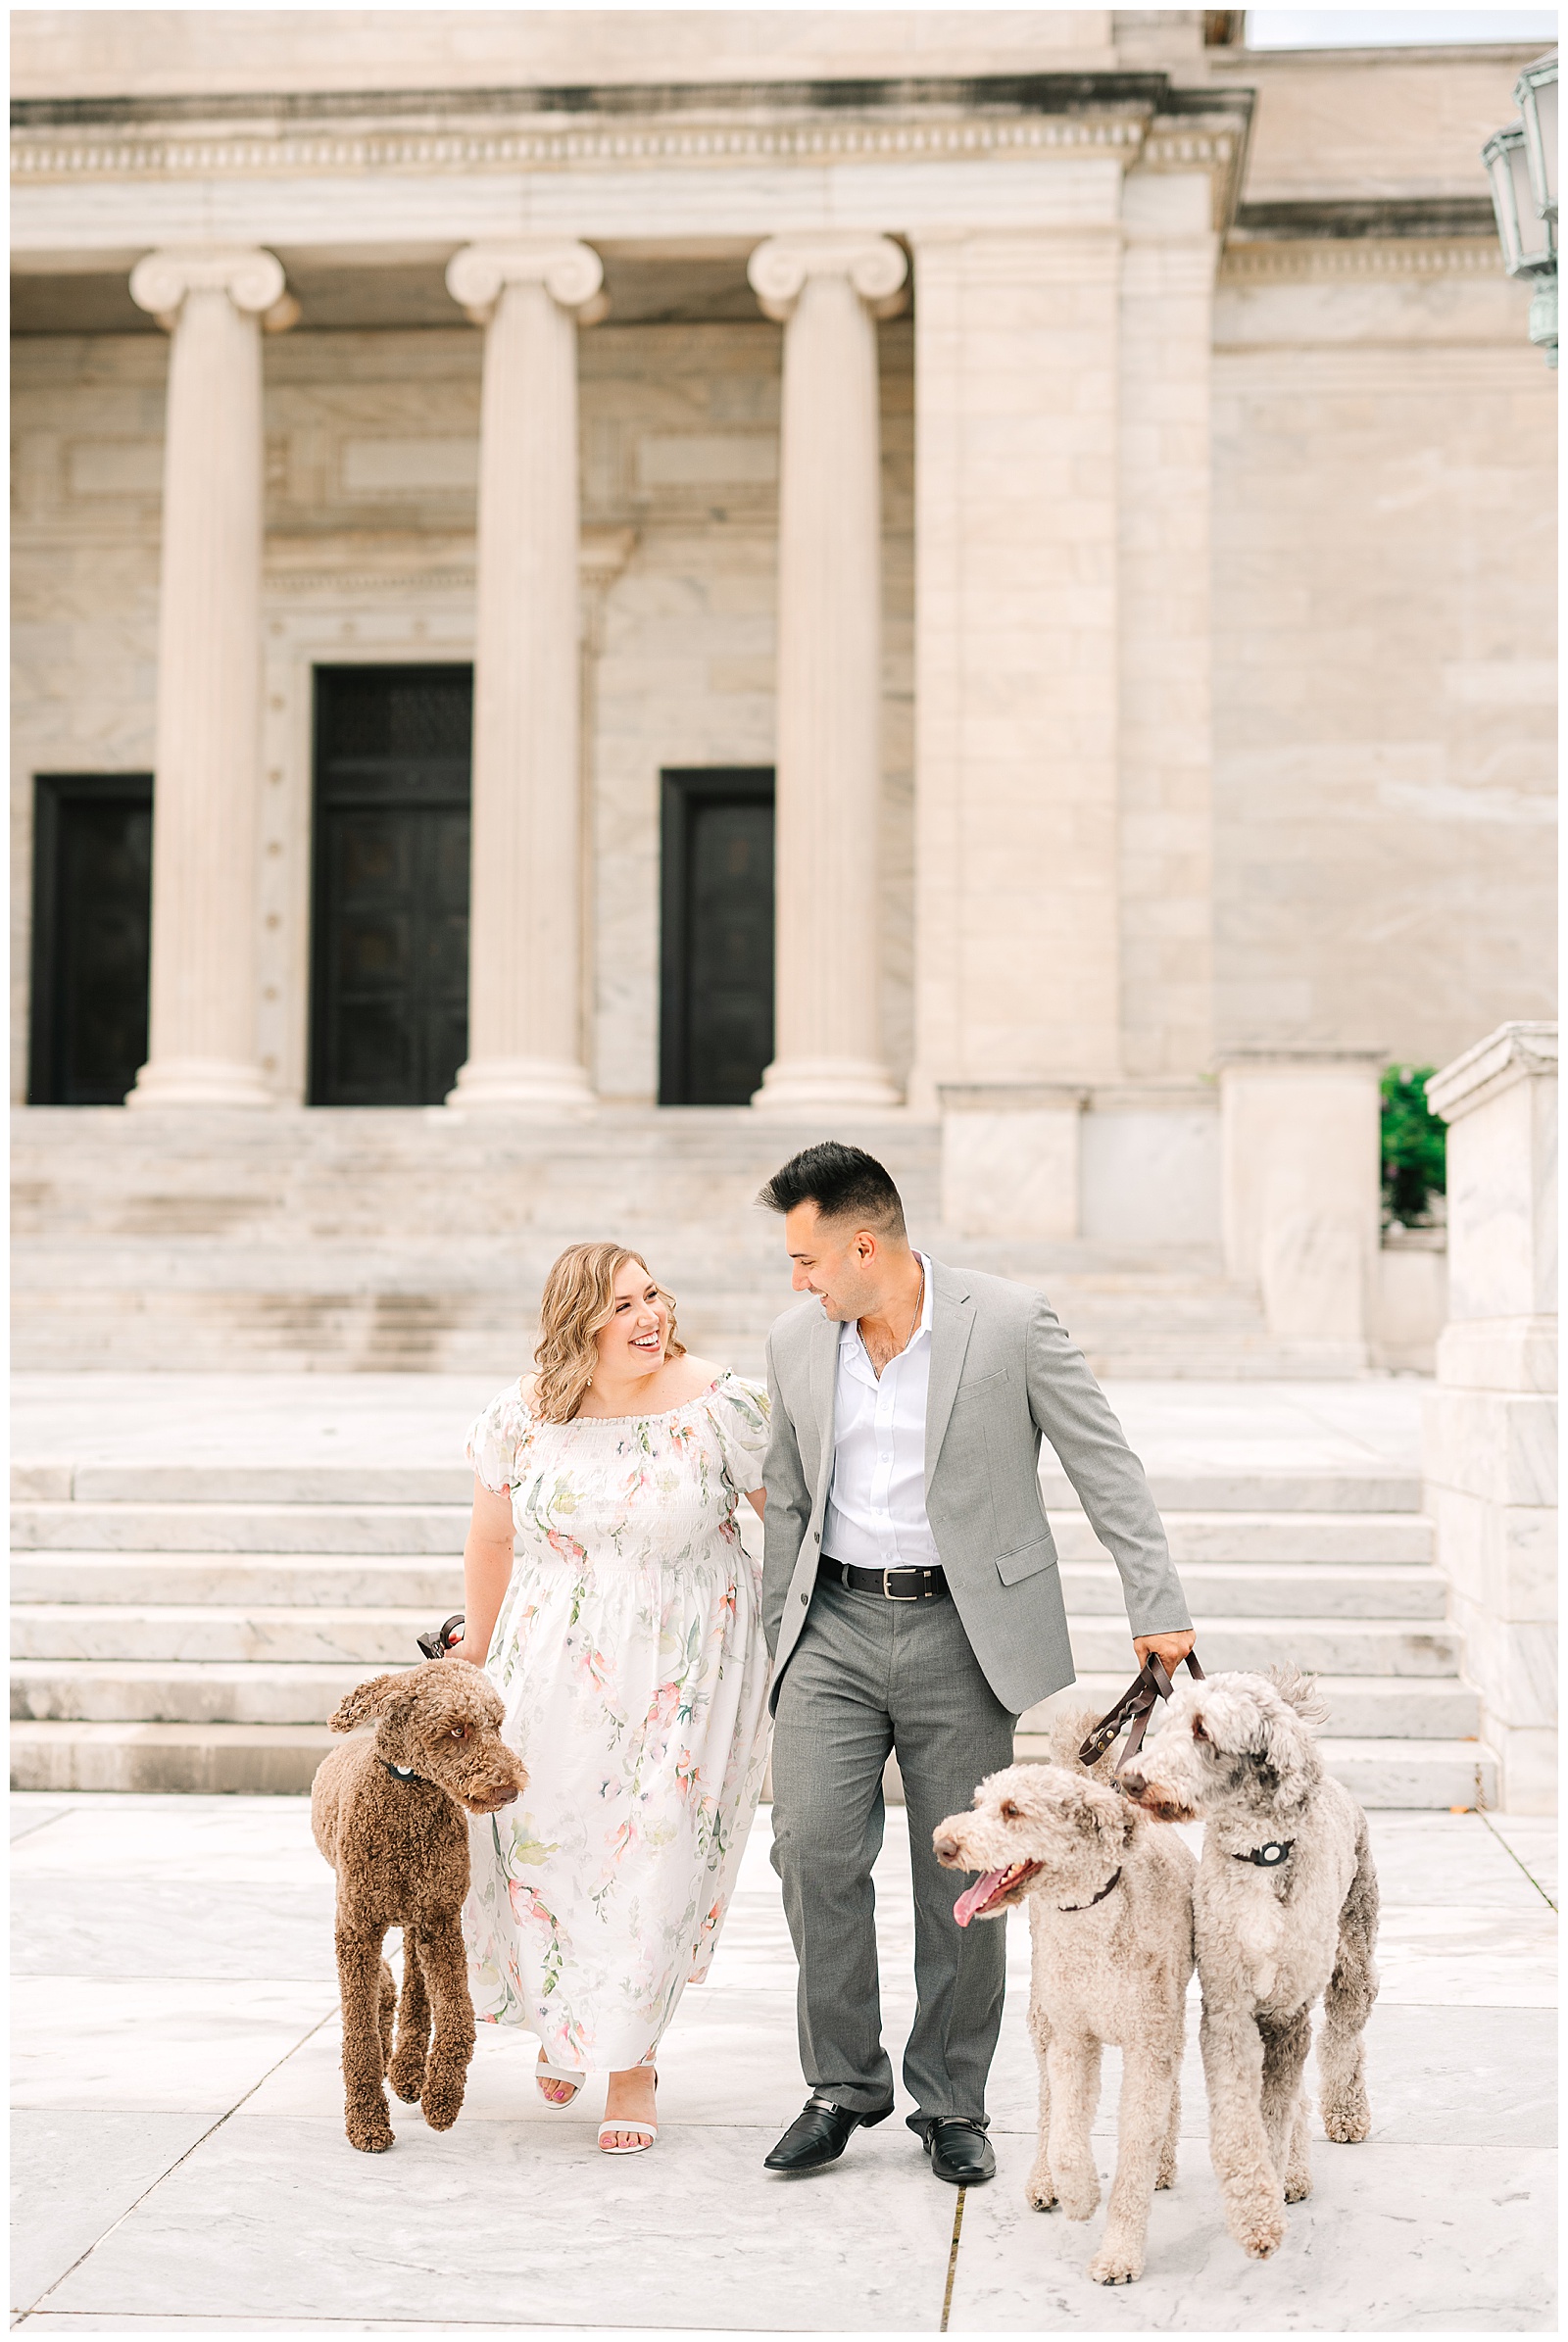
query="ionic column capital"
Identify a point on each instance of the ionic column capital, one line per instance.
(876, 266)
(251, 278)
(571, 273)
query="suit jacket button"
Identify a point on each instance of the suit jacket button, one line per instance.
(805, 1597)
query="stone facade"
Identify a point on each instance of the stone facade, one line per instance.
(1211, 710)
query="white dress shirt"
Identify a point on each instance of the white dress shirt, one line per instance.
(875, 1517)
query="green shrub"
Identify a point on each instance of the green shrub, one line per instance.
(1414, 1146)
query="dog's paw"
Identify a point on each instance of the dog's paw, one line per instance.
(1260, 2233)
(1040, 2190)
(1298, 2186)
(1166, 2176)
(1079, 2192)
(407, 2076)
(1116, 2264)
(1351, 2123)
(371, 2138)
(443, 2102)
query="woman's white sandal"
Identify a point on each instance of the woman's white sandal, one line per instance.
(649, 2131)
(544, 2071)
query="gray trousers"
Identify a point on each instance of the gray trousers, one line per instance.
(867, 1676)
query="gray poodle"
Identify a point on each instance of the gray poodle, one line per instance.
(1284, 1910)
(1111, 1927)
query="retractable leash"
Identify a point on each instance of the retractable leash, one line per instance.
(1135, 1707)
(436, 1641)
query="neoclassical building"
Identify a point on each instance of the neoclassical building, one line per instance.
(993, 569)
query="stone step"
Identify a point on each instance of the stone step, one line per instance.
(1254, 1589)
(1311, 1539)
(385, 1635)
(311, 1635)
(265, 1581)
(1353, 1646)
(1442, 1774)
(1360, 1707)
(280, 1758)
(236, 1509)
(377, 1529)
(170, 1759)
(280, 1691)
(1231, 1589)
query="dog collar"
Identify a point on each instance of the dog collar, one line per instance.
(401, 1772)
(1269, 1857)
(1093, 1899)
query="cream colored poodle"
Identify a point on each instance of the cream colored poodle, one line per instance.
(1110, 1930)
(1285, 1910)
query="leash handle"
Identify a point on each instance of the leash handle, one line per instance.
(1135, 1707)
(436, 1643)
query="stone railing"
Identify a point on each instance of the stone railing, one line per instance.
(1490, 1424)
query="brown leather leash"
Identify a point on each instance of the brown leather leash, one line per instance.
(1135, 1707)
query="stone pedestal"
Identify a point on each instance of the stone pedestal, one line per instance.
(828, 289)
(1010, 1159)
(1491, 1426)
(525, 1043)
(1302, 1194)
(202, 1049)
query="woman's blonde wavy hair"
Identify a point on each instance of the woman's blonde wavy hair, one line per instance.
(579, 1298)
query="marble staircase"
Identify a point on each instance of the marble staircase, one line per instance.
(381, 1240)
(191, 1627)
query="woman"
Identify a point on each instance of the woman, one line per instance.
(626, 1642)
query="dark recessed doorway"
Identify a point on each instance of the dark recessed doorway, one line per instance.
(389, 975)
(716, 941)
(91, 904)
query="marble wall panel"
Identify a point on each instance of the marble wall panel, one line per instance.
(1383, 647)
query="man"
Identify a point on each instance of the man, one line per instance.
(911, 1603)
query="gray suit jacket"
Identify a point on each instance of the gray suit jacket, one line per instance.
(1002, 1372)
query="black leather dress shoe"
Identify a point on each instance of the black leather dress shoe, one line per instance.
(818, 2136)
(960, 2151)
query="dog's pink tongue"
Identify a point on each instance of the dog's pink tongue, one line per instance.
(973, 1897)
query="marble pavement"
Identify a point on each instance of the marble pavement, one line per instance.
(178, 2160)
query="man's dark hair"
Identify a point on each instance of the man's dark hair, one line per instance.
(845, 1183)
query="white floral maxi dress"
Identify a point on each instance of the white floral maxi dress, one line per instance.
(629, 1654)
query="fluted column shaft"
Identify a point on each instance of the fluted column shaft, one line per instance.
(526, 1045)
(828, 289)
(202, 1007)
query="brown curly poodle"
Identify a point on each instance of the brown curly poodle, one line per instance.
(390, 1815)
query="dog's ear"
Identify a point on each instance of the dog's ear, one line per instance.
(364, 1703)
(1299, 1692)
(1289, 1751)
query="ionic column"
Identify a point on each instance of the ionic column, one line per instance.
(828, 289)
(202, 1008)
(526, 1043)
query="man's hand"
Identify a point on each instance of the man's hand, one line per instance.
(1169, 1649)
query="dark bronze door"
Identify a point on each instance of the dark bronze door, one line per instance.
(389, 1008)
(91, 895)
(716, 943)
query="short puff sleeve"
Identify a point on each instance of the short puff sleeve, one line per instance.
(739, 1412)
(495, 1438)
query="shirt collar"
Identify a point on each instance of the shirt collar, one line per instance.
(849, 1332)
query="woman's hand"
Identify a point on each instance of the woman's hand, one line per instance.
(457, 1650)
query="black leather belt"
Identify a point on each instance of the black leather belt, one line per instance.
(908, 1585)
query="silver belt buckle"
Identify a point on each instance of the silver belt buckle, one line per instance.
(887, 1590)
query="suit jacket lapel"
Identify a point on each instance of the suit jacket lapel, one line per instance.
(824, 1387)
(952, 1322)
